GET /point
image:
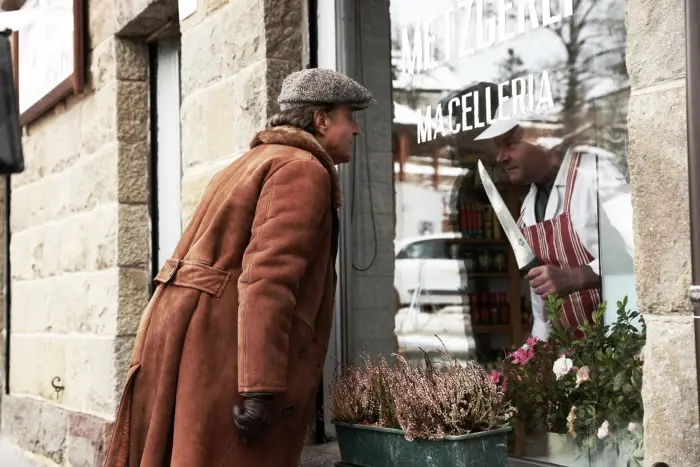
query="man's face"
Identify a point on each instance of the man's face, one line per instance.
(523, 162)
(337, 130)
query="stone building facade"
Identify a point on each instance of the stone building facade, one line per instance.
(81, 219)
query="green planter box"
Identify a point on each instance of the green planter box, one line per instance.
(369, 446)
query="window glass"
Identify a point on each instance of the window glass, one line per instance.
(510, 149)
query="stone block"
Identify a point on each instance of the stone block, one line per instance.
(132, 111)
(141, 18)
(91, 181)
(120, 58)
(88, 439)
(134, 235)
(208, 120)
(212, 5)
(210, 51)
(255, 94)
(669, 392)
(277, 70)
(90, 376)
(133, 172)
(102, 64)
(132, 59)
(134, 294)
(662, 243)
(35, 426)
(654, 28)
(194, 182)
(81, 242)
(51, 146)
(251, 98)
(101, 16)
(35, 360)
(122, 349)
(99, 118)
(283, 25)
(67, 304)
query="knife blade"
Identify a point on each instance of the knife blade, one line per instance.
(524, 256)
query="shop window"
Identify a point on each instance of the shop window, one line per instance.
(537, 91)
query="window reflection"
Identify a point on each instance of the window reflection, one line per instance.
(541, 101)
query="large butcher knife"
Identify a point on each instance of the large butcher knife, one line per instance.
(524, 256)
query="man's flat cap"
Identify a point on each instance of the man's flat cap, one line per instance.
(317, 86)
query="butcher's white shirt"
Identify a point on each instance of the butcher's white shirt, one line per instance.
(606, 185)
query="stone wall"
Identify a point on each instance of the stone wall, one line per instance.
(657, 134)
(234, 57)
(79, 253)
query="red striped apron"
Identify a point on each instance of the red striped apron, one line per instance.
(554, 241)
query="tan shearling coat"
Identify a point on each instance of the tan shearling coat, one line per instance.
(244, 305)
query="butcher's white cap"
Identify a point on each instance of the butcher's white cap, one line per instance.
(503, 122)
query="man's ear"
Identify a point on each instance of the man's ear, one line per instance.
(321, 119)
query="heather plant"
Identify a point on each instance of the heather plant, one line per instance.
(429, 402)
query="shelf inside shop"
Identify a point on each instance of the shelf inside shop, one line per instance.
(481, 241)
(492, 329)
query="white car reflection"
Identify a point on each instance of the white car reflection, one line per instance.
(447, 328)
(428, 271)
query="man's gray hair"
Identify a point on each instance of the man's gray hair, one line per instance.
(299, 117)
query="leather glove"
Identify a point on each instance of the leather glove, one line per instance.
(251, 416)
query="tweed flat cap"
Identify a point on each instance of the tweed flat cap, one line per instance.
(318, 86)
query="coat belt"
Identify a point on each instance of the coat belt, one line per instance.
(193, 275)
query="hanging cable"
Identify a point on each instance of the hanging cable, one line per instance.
(359, 60)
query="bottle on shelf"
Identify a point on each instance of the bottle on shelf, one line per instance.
(494, 308)
(504, 308)
(474, 309)
(496, 226)
(485, 308)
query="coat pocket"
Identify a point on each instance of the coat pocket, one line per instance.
(194, 275)
(118, 452)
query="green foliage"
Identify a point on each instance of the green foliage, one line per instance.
(583, 381)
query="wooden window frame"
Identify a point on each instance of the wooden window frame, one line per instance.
(73, 84)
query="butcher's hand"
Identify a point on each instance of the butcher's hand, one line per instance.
(251, 416)
(550, 280)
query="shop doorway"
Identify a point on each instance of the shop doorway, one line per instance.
(166, 158)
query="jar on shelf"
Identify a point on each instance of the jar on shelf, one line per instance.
(484, 261)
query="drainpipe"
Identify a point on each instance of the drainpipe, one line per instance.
(692, 76)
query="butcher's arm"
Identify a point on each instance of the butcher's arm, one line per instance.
(287, 220)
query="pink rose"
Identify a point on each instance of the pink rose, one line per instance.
(522, 356)
(532, 341)
(495, 376)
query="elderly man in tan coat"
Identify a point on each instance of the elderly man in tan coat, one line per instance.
(230, 349)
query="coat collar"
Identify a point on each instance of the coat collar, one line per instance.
(297, 138)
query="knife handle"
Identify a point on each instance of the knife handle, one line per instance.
(531, 265)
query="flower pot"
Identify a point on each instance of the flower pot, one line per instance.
(560, 449)
(369, 446)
